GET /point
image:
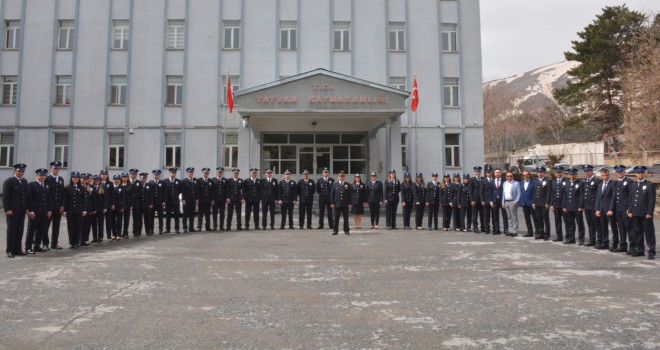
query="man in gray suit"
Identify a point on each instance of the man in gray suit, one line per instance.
(510, 199)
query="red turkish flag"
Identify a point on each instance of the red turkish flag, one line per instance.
(415, 96)
(230, 95)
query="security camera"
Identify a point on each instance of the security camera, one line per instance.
(314, 123)
(475, 123)
(131, 131)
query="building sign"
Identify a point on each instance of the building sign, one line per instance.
(324, 96)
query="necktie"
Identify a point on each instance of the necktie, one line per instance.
(497, 183)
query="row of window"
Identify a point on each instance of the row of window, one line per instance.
(231, 35)
(174, 90)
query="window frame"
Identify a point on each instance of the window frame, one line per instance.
(68, 27)
(175, 82)
(118, 91)
(234, 28)
(65, 91)
(63, 148)
(397, 31)
(451, 85)
(179, 27)
(13, 90)
(172, 149)
(13, 26)
(398, 83)
(6, 149)
(118, 159)
(288, 29)
(449, 37)
(344, 31)
(125, 35)
(453, 158)
(234, 87)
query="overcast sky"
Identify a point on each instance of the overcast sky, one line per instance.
(521, 35)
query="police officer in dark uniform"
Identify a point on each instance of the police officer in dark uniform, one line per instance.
(419, 198)
(557, 204)
(445, 201)
(251, 190)
(407, 200)
(640, 210)
(205, 191)
(88, 202)
(622, 186)
(391, 197)
(158, 198)
(74, 209)
(475, 200)
(108, 217)
(127, 191)
(269, 193)
(541, 204)
(455, 192)
(323, 186)
(136, 189)
(172, 200)
(573, 207)
(146, 204)
(605, 205)
(102, 205)
(591, 184)
(219, 198)
(119, 202)
(433, 201)
(340, 197)
(486, 191)
(40, 209)
(374, 198)
(189, 199)
(56, 183)
(306, 190)
(287, 196)
(464, 204)
(235, 199)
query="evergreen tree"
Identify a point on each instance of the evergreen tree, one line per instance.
(595, 88)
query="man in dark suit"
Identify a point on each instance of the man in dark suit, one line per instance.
(16, 203)
(541, 204)
(433, 201)
(622, 188)
(323, 186)
(189, 199)
(475, 200)
(306, 189)
(287, 196)
(40, 210)
(557, 203)
(527, 186)
(340, 197)
(219, 198)
(158, 191)
(374, 198)
(486, 191)
(135, 194)
(591, 184)
(251, 189)
(235, 199)
(605, 206)
(573, 207)
(146, 204)
(496, 200)
(640, 210)
(172, 192)
(56, 183)
(269, 195)
(205, 197)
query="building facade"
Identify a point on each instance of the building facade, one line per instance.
(118, 84)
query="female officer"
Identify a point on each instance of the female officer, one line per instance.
(419, 197)
(407, 199)
(455, 190)
(101, 204)
(445, 201)
(74, 211)
(359, 200)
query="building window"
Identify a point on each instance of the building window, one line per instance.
(118, 90)
(176, 35)
(288, 35)
(116, 150)
(449, 37)
(9, 90)
(63, 90)
(398, 83)
(232, 30)
(404, 150)
(12, 33)
(120, 35)
(172, 149)
(342, 35)
(174, 90)
(66, 35)
(6, 149)
(234, 86)
(397, 36)
(452, 151)
(61, 148)
(230, 151)
(451, 92)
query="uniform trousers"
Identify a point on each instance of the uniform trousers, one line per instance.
(446, 215)
(204, 213)
(433, 216)
(456, 217)
(477, 212)
(98, 222)
(488, 212)
(573, 219)
(305, 210)
(147, 220)
(189, 215)
(109, 222)
(343, 211)
(157, 210)
(390, 213)
(466, 217)
(419, 214)
(496, 211)
(137, 221)
(74, 226)
(407, 211)
(530, 218)
(86, 227)
(323, 206)
(55, 220)
(219, 211)
(127, 218)
(251, 209)
(603, 234)
(542, 221)
(172, 210)
(37, 228)
(287, 211)
(594, 225)
(268, 207)
(234, 206)
(644, 229)
(119, 222)
(374, 212)
(624, 228)
(560, 219)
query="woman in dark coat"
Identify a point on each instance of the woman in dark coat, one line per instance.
(359, 200)
(419, 197)
(74, 209)
(407, 200)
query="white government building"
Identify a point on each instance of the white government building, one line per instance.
(119, 84)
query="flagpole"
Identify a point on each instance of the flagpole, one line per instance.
(224, 133)
(416, 130)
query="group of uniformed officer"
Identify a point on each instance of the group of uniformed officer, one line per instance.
(92, 203)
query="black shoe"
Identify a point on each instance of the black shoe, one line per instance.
(309, 227)
(538, 237)
(320, 228)
(38, 249)
(167, 231)
(516, 235)
(528, 235)
(192, 230)
(629, 252)
(487, 232)
(496, 233)
(546, 238)
(56, 247)
(84, 244)
(334, 233)
(621, 250)
(558, 239)
(281, 227)
(239, 229)
(45, 248)
(580, 243)
(29, 251)
(590, 244)
(569, 242)
(507, 234)
(291, 228)
(10, 255)
(638, 253)
(603, 247)
(185, 230)
(651, 257)
(346, 233)
(257, 228)
(475, 230)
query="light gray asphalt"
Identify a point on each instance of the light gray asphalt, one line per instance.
(306, 289)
